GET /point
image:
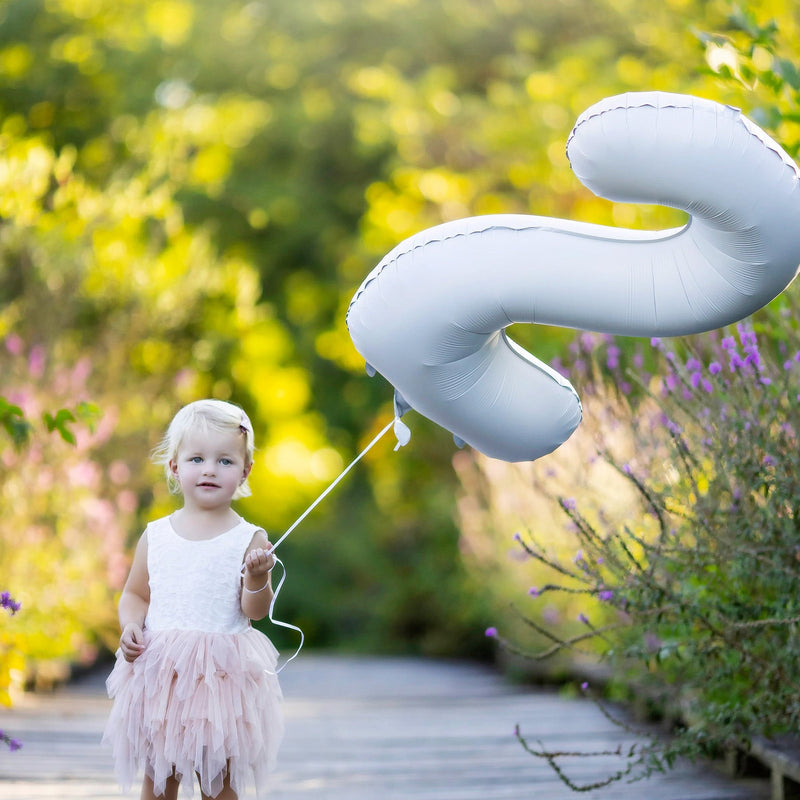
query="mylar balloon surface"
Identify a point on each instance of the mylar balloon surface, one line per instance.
(431, 316)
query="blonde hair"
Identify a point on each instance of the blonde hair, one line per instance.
(203, 415)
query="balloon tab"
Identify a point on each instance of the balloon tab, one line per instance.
(401, 405)
(371, 371)
(460, 443)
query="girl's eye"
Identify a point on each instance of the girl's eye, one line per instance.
(226, 462)
(196, 459)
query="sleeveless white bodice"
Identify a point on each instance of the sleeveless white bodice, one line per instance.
(196, 585)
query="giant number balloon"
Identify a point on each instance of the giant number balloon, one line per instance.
(431, 316)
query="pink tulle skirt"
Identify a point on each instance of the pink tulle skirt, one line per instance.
(196, 702)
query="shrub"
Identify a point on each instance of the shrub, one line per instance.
(696, 597)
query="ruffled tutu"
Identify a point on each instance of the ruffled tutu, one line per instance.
(197, 702)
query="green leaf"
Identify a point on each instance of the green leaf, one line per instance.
(13, 420)
(788, 71)
(60, 423)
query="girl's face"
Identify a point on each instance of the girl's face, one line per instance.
(210, 466)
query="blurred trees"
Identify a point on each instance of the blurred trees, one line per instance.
(192, 191)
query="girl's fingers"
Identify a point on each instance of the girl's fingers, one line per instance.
(259, 558)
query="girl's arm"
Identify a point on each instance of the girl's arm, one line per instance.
(257, 581)
(133, 604)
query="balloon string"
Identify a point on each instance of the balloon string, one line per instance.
(284, 624)
(293, 526)
(333, 484)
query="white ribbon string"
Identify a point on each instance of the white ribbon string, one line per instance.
(284, 624)
(299, 520)
(333, 484)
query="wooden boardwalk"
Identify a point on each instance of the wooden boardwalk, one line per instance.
(368, 729)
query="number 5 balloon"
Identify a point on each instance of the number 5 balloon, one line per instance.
(431, 316)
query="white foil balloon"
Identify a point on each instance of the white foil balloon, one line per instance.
(431, 316)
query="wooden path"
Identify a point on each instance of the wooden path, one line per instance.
(368, 729)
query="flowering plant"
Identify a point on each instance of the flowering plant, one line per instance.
(695, 597)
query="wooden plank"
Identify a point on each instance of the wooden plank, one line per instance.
(370, 729)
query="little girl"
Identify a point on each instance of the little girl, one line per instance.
(194, 685)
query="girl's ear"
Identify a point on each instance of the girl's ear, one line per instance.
(173, 467)
(245, 473)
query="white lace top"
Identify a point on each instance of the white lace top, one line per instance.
(196, 585)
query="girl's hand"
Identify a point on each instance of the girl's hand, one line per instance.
(260, 561)
(132, 641)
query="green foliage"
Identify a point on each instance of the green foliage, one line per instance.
(14, 422)
(755, 53)
(191, 191)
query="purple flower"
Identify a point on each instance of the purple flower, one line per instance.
(735, 361)
(14, 745)
(612, 357)
(583, 618)
(753, 358)
(605, 595)
(534, 591)
(728, 343)
(7, 602)
(707, 385)
(491, 633)
(715, 367)
(568, 503)
(585, 686)
(693, 365)
(769, 461)
(747, 336)
(517, 537)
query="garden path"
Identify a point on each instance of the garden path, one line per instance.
(368, 728)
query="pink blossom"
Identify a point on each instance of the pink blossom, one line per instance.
(14, 344)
